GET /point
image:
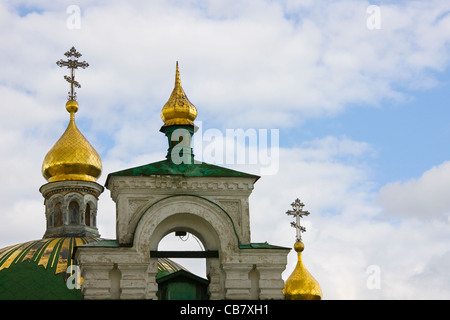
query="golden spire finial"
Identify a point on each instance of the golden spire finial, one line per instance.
(300, 285)
(177, 77)
(178, 110)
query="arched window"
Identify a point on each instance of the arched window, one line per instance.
(74, 213)
(115, 276)
(253, 275)
(87, 215)
(58, 215)
(94, 218)
(50, 221)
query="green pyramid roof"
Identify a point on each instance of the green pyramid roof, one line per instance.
(167, 167)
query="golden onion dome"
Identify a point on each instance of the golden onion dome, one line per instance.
(301, 285)
(72, 157)
(178, 110)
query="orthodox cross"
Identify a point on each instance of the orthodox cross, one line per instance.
(297, 212)
(72, 64)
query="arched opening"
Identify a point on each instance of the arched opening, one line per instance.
(190, 282)
(58, 215)
(87, 215)
(94, 218)
(194, 215)
(50, 221)
(115, 276)
(188, 242)
(253, 275)
(74, 213)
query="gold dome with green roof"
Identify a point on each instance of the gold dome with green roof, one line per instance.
(179, 114)
(178, 110)
(36, 270)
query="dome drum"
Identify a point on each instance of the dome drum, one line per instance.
(71, 208)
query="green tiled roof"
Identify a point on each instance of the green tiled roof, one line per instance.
(261, 245)
(52, 254)
(29, 281)
(37, 269)
(167, 167)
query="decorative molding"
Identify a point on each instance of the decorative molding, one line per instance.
(169, 184)
(136, 204)
(64, 192)
(64, 187)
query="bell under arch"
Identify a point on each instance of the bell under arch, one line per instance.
(194, 214)
(186, 223)
(185, 242)
(205, 219)
(207, 257)
(192, 281)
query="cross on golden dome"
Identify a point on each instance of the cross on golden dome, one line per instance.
(72, 64)
(72, 157)
(300, 285)
(297, 212)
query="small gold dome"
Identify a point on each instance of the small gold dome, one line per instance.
(72, 157)
(178, 110)
(301, 285)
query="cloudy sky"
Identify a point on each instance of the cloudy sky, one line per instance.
(357, 91)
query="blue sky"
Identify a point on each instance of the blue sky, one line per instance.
(408, 138)
(362, 117)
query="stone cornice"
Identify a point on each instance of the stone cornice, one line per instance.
(71, 186)
(171, 184)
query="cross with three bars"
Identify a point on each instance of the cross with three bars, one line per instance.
(72, 64)
(297, 212)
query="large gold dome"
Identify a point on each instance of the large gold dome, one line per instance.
(36, 270)
(72, 157)
(178, 110)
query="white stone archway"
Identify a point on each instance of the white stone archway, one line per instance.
(208, 221)
(214, 209)
(193, 214)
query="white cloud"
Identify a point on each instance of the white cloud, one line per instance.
(248, 58)
(423, 198)
(338, 198)
(346, 232)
